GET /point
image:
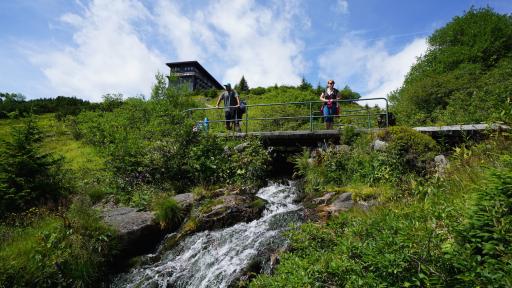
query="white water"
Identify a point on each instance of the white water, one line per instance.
(217, 258)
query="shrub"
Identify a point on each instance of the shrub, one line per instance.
(167, 212)
(70, 250)
(485, 240)
(257, 91)
(409, 150)
(29, 177)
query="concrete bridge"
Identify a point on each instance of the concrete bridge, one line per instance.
(309, 132)
(449, 135)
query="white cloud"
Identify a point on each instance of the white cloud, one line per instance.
(342, 6)
(377, 71)
(108, 55)
(237, 38)
(110, 51)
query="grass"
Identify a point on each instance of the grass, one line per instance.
(85, 165)
(58, 139)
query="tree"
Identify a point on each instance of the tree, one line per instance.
(28, 176)
(112, 101)
(461, 78)
(347, 93)
(305, 85)
(242, 85)
(158, 91)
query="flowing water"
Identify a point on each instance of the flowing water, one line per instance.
(218, 258)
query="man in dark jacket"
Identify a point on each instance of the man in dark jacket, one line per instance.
(231, 104)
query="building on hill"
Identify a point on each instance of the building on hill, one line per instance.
(193, 75)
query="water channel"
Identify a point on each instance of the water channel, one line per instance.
(219, 258)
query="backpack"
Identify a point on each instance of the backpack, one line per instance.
(243, 107)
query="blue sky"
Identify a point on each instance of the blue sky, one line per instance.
(89, 48)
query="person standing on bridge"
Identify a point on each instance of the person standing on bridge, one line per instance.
(330, 98)
(231, 104)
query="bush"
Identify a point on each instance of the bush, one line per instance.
(485, 240)
(70, 250)
(167, 212)
(409, 150)
(463, 77)
(257, 91)
(29, 177)
(409, 155)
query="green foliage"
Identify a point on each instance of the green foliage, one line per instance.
(409, 150)
(485, 239)
(159, 89)
(409, 155)
(462, 77)
(15, 105)
(167, 211)
(71, 250)
(111, 101)
(347, 93)
(211, 163)
(257, 91)
(349, 135)
(150, 148)
(28, 176)
(258, 203)
(242, 86)
(305, 85)
(428, 239)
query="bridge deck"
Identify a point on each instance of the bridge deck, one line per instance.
(311, 138)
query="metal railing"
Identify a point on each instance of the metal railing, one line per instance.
(306, 115)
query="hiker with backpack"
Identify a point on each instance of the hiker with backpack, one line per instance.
(330, 106)
(231, 104)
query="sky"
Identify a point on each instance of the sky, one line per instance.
(86, 49)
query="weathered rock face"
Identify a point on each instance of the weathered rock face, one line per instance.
(329, 204)
(232, 209)
(185, 201)
(138, 232)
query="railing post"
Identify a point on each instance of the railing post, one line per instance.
(310, 116)
(387, 119)
(369, 119)
(246, 119)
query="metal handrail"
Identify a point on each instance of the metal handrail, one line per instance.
(311, 115)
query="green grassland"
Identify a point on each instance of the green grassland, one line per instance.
(58, 139)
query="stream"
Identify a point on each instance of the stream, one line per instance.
(219, 258)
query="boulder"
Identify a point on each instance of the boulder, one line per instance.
(341, 203)
(231, 209)
(137, 231)
(185, 200)
(379, 145)
(324, 199)
(241, 147)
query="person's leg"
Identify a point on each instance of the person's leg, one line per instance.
(237, 121)
(227, 115)
(327, 117)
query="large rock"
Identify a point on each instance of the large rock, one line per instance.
(138, 232)
(231, 209)
(341, 203)
(185, 200)
(379, 145)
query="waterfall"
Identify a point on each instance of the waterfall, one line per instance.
(218, 258)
